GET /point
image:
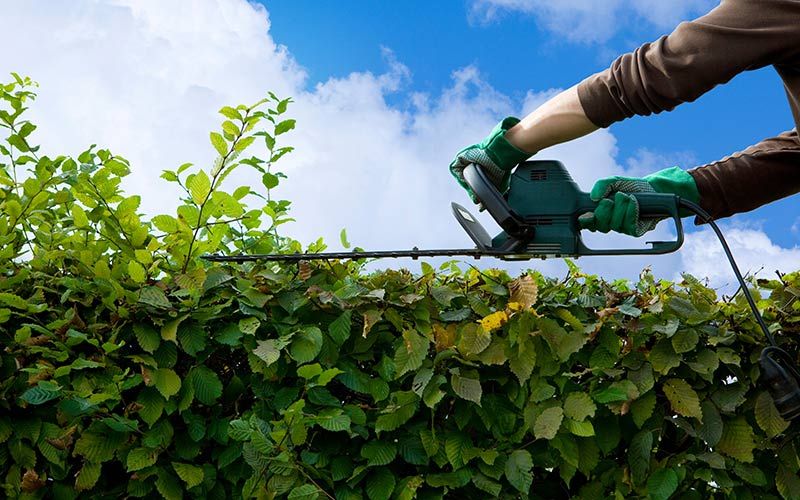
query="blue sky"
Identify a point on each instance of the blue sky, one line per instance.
(515, 52)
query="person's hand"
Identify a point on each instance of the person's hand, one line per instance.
(495, 154)
(618, 210)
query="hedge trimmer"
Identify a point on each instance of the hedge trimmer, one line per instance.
(539, 219)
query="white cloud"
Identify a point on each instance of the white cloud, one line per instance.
(702, 255)
(146, 79)
(594, 21)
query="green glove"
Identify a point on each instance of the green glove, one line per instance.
(495, 154)
(618, 211)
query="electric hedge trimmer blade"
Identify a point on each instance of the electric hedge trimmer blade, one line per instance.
(538, 217)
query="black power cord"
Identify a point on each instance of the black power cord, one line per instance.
(778, 373)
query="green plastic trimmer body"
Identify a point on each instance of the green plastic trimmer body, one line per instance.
(539, 214)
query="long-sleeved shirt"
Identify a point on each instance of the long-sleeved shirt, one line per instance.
(737, 36)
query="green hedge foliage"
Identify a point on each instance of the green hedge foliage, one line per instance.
(130, 367)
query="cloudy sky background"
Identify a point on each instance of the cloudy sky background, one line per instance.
(384, 97)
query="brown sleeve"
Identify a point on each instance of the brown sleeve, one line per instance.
(765, 172)
(736, 36)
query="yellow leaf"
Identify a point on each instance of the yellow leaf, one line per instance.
(514, 306)
(494, 321)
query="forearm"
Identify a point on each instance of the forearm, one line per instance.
(765, 172)
(558, 120)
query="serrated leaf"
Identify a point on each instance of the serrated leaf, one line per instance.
(269, 350)
(639, 453)
(429, 442)
(518, 470)
(169, 331)
(768, 417)
(309, 371)
(663, 357)
(306, 344)
(206, 385)
(683, 398)
(548, 423)
(79, 217)
(190, 474)
(380, 484)
(444, 295)
(662, 484)
(333, 420)
(154, 296)
(152, 405)
(492, 322)
(239, 430)
(684, 340)
(192, 338)
(433, 394)
(284, 126)
(379, 452)
(473, 339)
(167, 382)
(583, 429)
(249, 326)
(12, 300)
(371, 318)
(737, 440)
(483, 483)
(788, 483)
(750, 473)
(410, 354)
(610, 394)
(136, 271)
(87, 477)
(467, 388)
(219, 144)
(165, 223)
(561, 342)
(99, 448)
(403, 406)
(524, 291)
(578, 406)
(231, 113)
(522, 359)
(642, 409)
(40, 395)
(711, 430)
(148, 338)
(168, 486)
(456, 448)
(304, 492)
(339, 329)
(326, 376)
(199, 186)
(139, 458)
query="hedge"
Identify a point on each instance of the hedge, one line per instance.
(131, 367)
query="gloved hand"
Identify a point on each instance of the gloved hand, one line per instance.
(618, 211)
(495, 154)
